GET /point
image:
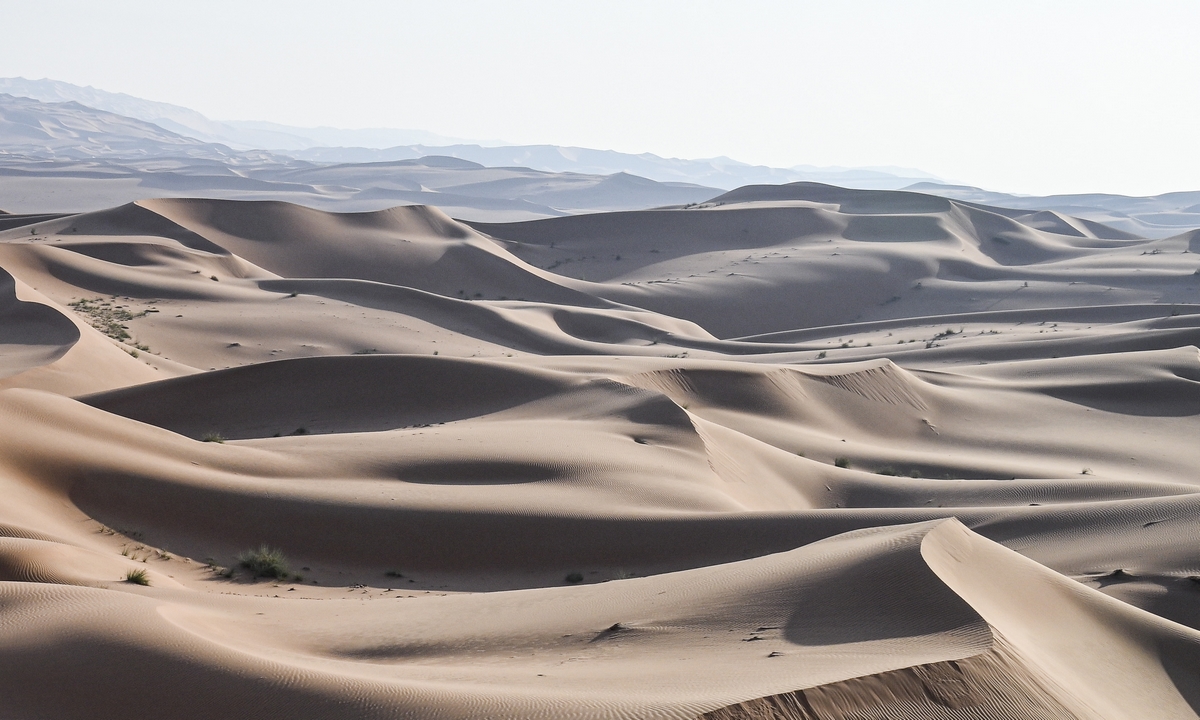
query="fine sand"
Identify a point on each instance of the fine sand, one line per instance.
(796, 453)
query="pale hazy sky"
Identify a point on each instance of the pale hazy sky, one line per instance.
(1032, 97)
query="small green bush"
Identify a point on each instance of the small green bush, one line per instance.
(213, 437)
(574, 577)
(137, 577)
(266, 561)
(842, 462)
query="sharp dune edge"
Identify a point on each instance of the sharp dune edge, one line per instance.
(795, 453)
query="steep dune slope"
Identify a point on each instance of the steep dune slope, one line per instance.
(33, 334)
(1093, 657)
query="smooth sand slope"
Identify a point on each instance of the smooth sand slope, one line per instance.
(798, 453)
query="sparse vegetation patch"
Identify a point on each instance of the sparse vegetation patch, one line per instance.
(266, 561)
(110, 318)
(137, 577)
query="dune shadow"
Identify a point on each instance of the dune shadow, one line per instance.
(1177, 398)
(880, 597)
(477, 472)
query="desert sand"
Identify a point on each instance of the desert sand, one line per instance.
(796, 452)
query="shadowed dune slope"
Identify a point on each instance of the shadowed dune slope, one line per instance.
(352, 394)
(416, 246)
(31, 334)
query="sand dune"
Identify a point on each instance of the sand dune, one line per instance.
(800, 452)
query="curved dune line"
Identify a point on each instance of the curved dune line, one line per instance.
(885, 382)
(32, 335)
(1060, 650)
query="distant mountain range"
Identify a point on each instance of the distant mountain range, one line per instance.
(334, 145)
(238, 135)
(59, 130)
(65, 147)
(65, 156)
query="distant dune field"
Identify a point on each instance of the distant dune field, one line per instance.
(794, 453)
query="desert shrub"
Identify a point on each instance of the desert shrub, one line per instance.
(137, 577)
(213, 437)
(266, 561)
(574, 577)
(842, 462)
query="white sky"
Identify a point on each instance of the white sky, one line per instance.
(1032, 97)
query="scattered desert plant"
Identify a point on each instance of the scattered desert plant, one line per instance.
(137, 577)
(110, 319)
(821, 355)
(105, 317)
(219, 571)
(266, 561)
(394, 573)
(842, 462)
(214, 437)
(574, 577)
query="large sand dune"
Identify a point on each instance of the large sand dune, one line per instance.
(796, 453)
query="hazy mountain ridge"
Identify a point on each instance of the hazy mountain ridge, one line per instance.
(461, 188)
(720, 172)
(336, 145)
(68, 129)
(525, 182)
(185, 121)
